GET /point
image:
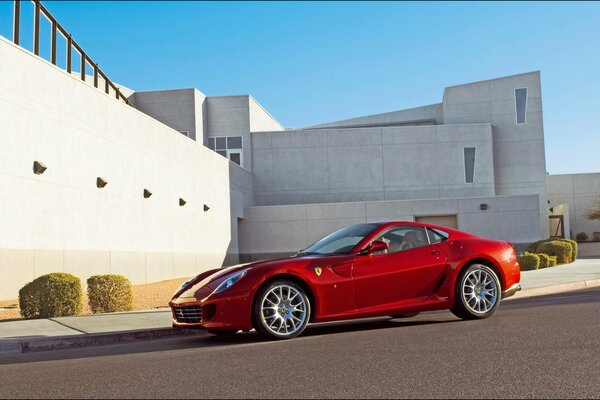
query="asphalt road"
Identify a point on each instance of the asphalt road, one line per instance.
(538, 347)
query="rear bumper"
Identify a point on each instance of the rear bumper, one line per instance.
(511, 291)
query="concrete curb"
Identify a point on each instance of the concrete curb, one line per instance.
(86, 340)
(553, 289)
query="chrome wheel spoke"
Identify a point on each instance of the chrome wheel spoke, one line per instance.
(480, 291)
(281, 317)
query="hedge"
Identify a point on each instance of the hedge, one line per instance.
(53, 295)
(544, 260)
(560, 249)
(529, 261)
(535, 247)
(109, 293)
(552, 261)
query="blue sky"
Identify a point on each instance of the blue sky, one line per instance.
(315, 62)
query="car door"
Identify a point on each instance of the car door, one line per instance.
(410, 269)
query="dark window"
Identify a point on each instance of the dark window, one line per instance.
(521, 104)
(404, 238)
(211, 143)
(222, 152)
(221, 143)
(436, 236)
(469, 164)
(234, 142)
(235, 157)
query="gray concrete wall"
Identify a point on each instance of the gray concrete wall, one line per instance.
(180, 109)
(519, 156)
(578, 191)
(60, 220)
(432, 112)
(282, 230)
(368, 164)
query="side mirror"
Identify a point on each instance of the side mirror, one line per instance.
(375, 246)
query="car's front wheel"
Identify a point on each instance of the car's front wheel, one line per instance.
(477, 293)
(281, 310)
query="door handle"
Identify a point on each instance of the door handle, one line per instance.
(435, 253)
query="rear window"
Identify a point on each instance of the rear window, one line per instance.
(436, 236)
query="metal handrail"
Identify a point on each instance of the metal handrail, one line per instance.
(39, 10)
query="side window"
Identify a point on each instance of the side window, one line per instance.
(436, 236)
(404, 238)
(521, 104)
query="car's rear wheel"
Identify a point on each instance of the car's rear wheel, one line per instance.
(408, 315)
(477, 292)
(281, 310)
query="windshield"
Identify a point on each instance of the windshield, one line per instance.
(341, 241)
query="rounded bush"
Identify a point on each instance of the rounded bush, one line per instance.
(544, 260)
(53, 295)
(581, 237)
(560, 249)
(552, 261)
(109, 293)
(596, 236)
(529, 261)
(574, 248)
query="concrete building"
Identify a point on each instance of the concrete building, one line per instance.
(196, 181)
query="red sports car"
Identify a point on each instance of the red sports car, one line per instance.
(393, 269)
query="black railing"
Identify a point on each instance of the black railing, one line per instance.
(41, 11)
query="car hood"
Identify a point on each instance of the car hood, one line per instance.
(197, 284)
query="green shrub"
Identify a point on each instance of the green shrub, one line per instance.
(581, 237)
(529, 261)
(544, 260)
(574, 248)
(596, 236)
(552, 261)
(535, 247)
(53, 295)
(109, 293)
(560, 249)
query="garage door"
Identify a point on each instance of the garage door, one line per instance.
(442, 220)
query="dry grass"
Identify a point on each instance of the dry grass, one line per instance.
(148, 296)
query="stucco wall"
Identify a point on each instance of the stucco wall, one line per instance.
(578, 191)
(60, 220)
(519, 156)
(282, 230)
(366, 164)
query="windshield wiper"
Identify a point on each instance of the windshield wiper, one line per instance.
(305, 253)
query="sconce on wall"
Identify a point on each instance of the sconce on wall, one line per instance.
(181, 202)
(100, 183)
(147, 193)
(39, 167)
(206, 208)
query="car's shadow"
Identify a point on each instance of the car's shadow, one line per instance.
(206, 340)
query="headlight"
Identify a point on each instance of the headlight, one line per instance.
(232, 280)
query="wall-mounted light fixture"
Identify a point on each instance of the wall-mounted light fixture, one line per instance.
(147, 193)
(206, 208)
(483, 206)
(181, 202)
(100, 183)
(39, 167)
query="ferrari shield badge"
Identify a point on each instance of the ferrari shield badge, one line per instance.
(318, 271)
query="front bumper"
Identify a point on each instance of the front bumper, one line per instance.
(216, 313)
(511, 291)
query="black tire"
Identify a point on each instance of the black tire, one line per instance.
(408, 315)
(462, 308)
(261, 323)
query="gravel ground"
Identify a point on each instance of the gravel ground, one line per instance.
(150, 295)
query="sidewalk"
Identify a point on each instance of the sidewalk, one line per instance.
(45, 334)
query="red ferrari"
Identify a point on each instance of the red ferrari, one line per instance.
(396, 269)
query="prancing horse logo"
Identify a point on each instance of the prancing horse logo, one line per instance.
(318, 271)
